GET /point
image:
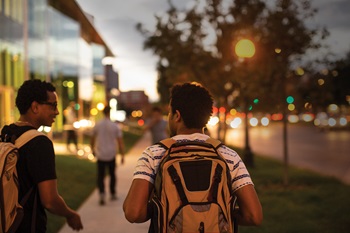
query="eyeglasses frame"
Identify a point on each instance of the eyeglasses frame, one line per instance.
(53, 105)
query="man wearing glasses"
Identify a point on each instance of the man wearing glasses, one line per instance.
(37, 103)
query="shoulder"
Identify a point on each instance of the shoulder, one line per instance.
(40, 144)
(115, 124)
(155, 149)
(42, 139)
(154, 153)
(224, 149)
(230, 155)
(98, 125)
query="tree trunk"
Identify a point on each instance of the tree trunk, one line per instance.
(248, 156)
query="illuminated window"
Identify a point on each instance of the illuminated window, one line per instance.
(20, 11)
(2, 69)
(17, 10)
(7, 7)
(7, 62)
(13, 9)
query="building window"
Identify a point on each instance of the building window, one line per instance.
(17, 10)
(7, 7)
(2, 68)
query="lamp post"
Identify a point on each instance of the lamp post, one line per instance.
(245, 49)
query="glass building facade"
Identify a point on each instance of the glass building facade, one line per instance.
(11, 55)
(52, 41)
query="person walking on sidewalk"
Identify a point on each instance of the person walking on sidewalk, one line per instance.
(70, 117)
(37, 104)
(157, 125)
(189, 110)
(106, 142)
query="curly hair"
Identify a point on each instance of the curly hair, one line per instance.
(30, 91)
(194, 102)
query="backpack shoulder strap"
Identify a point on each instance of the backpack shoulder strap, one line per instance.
(214, 142)
(22, 140)
(27, 136)
(167, 143)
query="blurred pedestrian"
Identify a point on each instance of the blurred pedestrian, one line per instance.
(157, 125)
(70, 117)
(37, 103)
(106, 142)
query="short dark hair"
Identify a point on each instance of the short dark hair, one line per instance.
(194, 102)
(107, 110)
(30, 91)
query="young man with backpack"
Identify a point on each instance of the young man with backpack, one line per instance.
(166, 173)
(37, 103)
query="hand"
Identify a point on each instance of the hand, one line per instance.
(74, 222)
(122, 160)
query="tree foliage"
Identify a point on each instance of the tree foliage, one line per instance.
(340, 77)
(331, 85)
(197, 44)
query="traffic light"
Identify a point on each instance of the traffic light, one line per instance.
(290, 99)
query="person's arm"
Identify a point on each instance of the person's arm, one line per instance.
(250, 210)
(136, 202)
(54, 203)
(92, 143)
(121, 148)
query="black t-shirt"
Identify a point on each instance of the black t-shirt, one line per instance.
(36, 163)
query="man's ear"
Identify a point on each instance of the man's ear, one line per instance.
(177, 115)
(34, 107)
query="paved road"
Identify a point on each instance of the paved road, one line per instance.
(326, 152)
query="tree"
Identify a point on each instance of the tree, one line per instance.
(197, 45)
(289, 38)
(330, 85)
(340, 77)
(180, 41)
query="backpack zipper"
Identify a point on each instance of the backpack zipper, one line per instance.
(201, 227)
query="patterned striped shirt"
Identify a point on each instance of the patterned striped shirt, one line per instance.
(148, 163)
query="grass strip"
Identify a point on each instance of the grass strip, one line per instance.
(309, 203)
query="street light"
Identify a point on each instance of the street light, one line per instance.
(245, 49)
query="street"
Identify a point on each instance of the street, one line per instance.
(326, 152)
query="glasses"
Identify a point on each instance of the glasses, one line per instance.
(53, 105)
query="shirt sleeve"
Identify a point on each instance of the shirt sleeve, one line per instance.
(147, 165)
(41, 159)
(119, 131)
(239, 173)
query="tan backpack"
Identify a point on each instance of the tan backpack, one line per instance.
(11, 210)
(192, 190)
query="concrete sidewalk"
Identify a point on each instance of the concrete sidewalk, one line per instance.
(110, 217)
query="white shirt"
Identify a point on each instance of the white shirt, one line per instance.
(106, 133)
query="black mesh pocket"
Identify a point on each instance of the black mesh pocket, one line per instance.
(196, 174)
